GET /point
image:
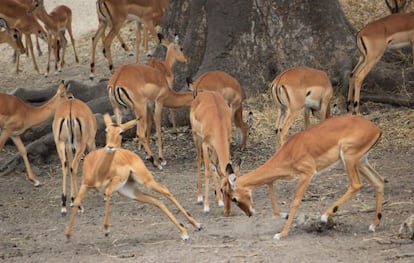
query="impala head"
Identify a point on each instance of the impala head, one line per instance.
(61, 90)
(239, 195)
(114, 132)
(398, 6)
(174, 48)
(16, 42)
(34, 5)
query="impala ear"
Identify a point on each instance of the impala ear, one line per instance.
(129, 124)
(232, 181)
(3, 24)
(107, 119)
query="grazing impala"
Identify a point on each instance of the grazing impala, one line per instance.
(392, 31)
(345, 137)
(113, 169)
(11, 36)
(398, 6)
(135, 86)
(117, 11)
(56, 22)
(298, 88)
(210, 119)
(74, 130)
(16, 117)
(174, 53)
(232, 92)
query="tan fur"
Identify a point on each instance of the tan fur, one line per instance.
(115, 13)
(113, 169)
(392, 31)
(231, 90)
(144, 85)
(16, 117)
(12, 37)
(300, 88)
(345, 137)
(210, 119)
(56, 22)
(74, 129)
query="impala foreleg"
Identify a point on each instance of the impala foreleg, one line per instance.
(273, 199)
(22, 150)
(157, 119)
(303, 184)
(207, 173)
(76, 207)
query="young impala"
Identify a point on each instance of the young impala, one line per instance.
(74, 129)
(231, 90)
(16, 117)
(210, 119)
(392, 31)
(298, 88)
(113, 169)
(347, 137)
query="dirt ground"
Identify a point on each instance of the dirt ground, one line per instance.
(32, 228)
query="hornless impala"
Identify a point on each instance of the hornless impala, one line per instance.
(232, 92)
(136, 86)
(174, 53)
(16, 117)
(113, 169)
(117, 11)
(16, 15)
(210, 119)
(345, 137)
(56, 22)
(392, 31)
(11, 36)
(297, 88)
(398, 6)
(74, 130)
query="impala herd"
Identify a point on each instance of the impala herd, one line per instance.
(215, 101)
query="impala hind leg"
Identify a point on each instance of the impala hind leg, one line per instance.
(378, 182)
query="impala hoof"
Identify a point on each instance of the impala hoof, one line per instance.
(206, 210)
(277, 237)
(185, 237)
(199, 200)
(37, 184)
(324, 219)
(371, 228)
(63, 211)
(220, 203)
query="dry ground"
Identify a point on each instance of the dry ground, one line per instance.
(32, 227)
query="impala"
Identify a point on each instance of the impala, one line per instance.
(210, 119)
(174, 53)
(117, 11)
(392, 31)
(15, 12)
(11, 36)
(74, 129)
(16, 117)
(297, 88)
(398, 6)
(135, 86)
(113, 169)
(345, 137)
(232, 92)
(56, 22)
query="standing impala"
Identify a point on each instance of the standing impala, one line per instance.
(113, 169)
(16, 117)
(298, 88)
(232, 92)
(74, 129)
(392, 31)
(210, 119)
(149, 13)
(135, 86)
(398, 6)
(174, 53)
(347, 137)
(56, 22)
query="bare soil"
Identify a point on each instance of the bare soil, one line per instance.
(32, 228)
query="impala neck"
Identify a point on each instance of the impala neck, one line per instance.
(104, 162)
(178, 99)
(39, 114)
(42, 14)
(264, 174)
(170, 59)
